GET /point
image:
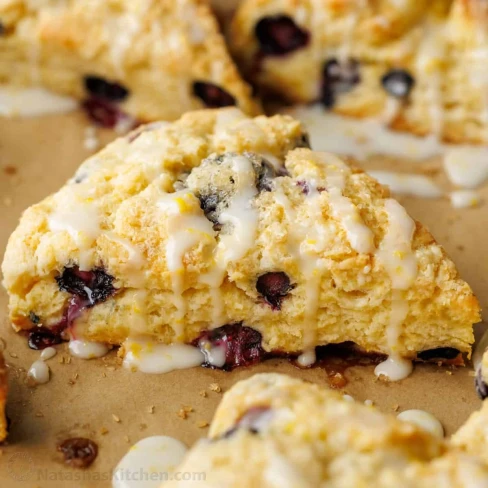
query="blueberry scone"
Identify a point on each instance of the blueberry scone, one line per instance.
(229, 233)
(150, 59)
(416, 65)
(274, 431)
(3, 398)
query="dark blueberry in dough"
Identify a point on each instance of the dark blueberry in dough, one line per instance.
(243, 345)
(212, 95)
(337, 78)
(274, 287)
(209, 204)
(304, 186)
(102, 112)
(42, 337)
(78, 452)
(90, 286)
(398, 83)
(104, 89)
(35, 319)
(439, 353)
(265, 174)
(481, 386)
(279, 35)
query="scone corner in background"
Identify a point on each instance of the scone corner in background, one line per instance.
(416, 65)
(219, 227)
(273, 430)
(145, 60)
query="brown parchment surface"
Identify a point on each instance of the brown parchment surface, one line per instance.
(36, 157)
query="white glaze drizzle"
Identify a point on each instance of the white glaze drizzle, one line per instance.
(74, 211)
(396, 256)
(187, 227)
(408, 184)
(466, 167)
(214, 355)
(148, 463)
(87, 350)
(307, 358)
(150, 357)
(91, 142)
(424, 420)
(33, 102)
(464, 199)
(48, 353)
(39, 372)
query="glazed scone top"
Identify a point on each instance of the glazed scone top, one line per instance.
(415, 65)
(156, 49)
(273, 430)
(187, 217)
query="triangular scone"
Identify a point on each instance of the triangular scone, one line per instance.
(3, 398)
(417, 65)
(273, 431)
(151, 59)
(178, 230)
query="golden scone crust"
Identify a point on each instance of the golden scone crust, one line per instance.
(187, 226)
(418, 65)
(156, 49)
(3, 398)
(272, 430)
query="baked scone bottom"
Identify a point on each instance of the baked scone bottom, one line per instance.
(225, 229)
(273, 430)
(146, 60)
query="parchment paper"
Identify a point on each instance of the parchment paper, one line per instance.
(36, 157)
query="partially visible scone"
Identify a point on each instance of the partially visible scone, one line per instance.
(3, 398)
(150, 59)
(274, 431)
(417, 65)
(225, 230)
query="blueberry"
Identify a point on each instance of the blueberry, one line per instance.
(212, 95)
(78, 452)
(90, 286)
(439, 353)
(279, 35)
(481, 386)
(35, 319)
(42, 337)
(398, 83)
(274, 287)
(104, 89)
(102, 112)
(304, 186)
(209, 204)
(338, 77)
(265, 173)
(243, 345)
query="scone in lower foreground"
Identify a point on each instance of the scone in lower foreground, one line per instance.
(275, 431)
(150, 59)
(419, 65)
(228, 231)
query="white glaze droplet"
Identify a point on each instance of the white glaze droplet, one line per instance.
(466, 166)
(214, 355)
(424, 420)
(148, 463)
(307, 358)
(368, 403)
(394, 368)
(149, 357)
(48, 353)
(348, 398)
(86, 349)
(33, 102)
(464, 199)
(91, 141)
(408, 184)
(39, 372)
